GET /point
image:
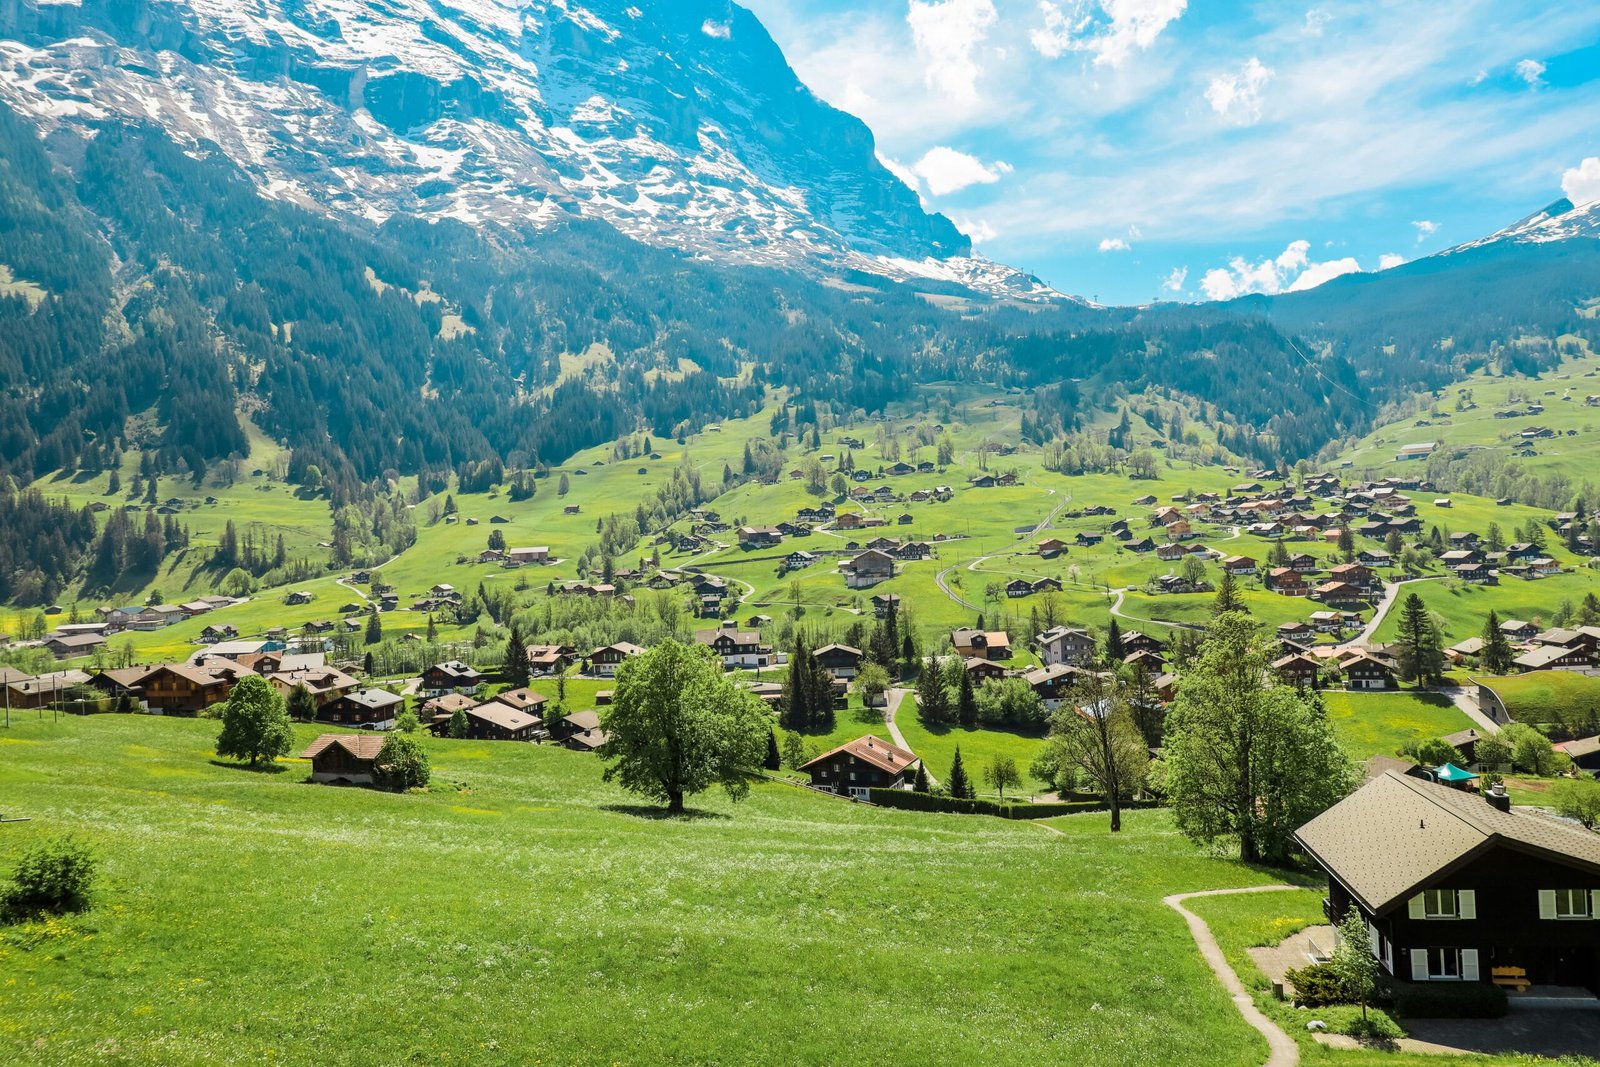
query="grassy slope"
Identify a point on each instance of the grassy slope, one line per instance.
(1541, 696)
(536, 916)
(1562, 392)
(1376, 724)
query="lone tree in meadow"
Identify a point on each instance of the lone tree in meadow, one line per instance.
(1101, 740)
(1496, 655)
(1248, 762)
(255, 724)
(1002, 774)
(374, 632)
(677, 726)
(1227, 595)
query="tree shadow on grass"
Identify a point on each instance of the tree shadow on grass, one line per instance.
(650, 811)
(260, 768)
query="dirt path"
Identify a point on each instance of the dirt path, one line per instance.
(1282, 1049)
(890, 710)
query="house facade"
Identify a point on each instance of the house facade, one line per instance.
(861, 765)
(1454, 886)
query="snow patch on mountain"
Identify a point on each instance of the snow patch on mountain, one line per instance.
(512, 113)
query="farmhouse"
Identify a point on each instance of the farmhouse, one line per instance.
(1288, 582)
(1457, 887)
(68, 646)
(840, 661)
(550, 659)
(529, 554)
(1364, 671)
(1297, 669)
(579, 731)
(185, 689)
(867, 569)
(371, 708)
(1065, 644)
(1052, 683)
(452, 676)
(344, 759)
(1554, 657)
(981, 644)
(605, 661)
(883, 603)
(759, 536)
(738, 648)
(857, 766)
(496, 721)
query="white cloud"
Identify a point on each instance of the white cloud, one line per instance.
(948, 171)
(1581, 184)
(1532, 72)
(1112, 34)
(901, 171)
(1479, 78)
(1317, 273)
(1390, 259)
(977, 229)
(1316, 20)
(1237, 97)
(720, 30)
(947, 33)
(1175, 281)
(1114, 244)
(1290, 271)
(1425, 229)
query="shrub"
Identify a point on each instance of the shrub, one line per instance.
(1316, 985)
(52, 879)
(1448, 1000)
(402, 763)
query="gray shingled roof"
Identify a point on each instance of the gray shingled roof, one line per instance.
(1395, 833)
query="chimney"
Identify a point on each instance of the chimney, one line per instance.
(1497, 797)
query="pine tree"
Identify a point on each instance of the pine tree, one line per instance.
(433, 630)
(966, 701)
(1347, 543)
(920, 784)
(374, 628)
(960, 785)
(1227, 595)
(1496, 655)
(933, 699)
(774, 761)
(1114, 650)
(795, 702)
(517, 668)
(1421, 658)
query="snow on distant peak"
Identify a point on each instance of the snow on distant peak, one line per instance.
(679, 122)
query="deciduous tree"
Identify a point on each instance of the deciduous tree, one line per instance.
(255, 724)
(677, 725)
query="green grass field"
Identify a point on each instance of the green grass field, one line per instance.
(1542, 695)
(523, 912)
(1376, 724)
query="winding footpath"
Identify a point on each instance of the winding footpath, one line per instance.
(1282, 1051)
(941, 577)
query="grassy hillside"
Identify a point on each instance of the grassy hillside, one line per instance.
(1543, 696)
(524, 912)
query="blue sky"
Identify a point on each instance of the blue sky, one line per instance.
(1134, 150)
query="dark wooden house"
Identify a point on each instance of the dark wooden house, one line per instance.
(865, 763)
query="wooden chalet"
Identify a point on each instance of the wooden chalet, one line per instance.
(858, 766)
(373, 708)
(344, 759)
(981, 644)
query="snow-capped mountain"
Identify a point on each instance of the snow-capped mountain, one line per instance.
(1559, 221)
(679, 122)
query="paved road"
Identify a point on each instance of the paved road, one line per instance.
(1282, 1049)
(1391, 593)
(896, 695)
(1464, 699)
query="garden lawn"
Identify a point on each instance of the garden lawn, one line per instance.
(1377, 724)
(524, 912)
(978, 748)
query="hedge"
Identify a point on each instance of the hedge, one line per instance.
(902, 798)
(1448, 1000)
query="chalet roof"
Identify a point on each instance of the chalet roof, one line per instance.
(503, 715)
(1396, 833)
(836, 647)
(1542, 656)
(377, 699)
(522, 698)
(583, 720)
(361, 746)
(873, 750)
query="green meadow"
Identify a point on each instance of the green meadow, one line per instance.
(521, 911)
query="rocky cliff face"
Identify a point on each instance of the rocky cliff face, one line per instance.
(677, 121)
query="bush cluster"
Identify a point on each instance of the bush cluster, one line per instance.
(51, 879)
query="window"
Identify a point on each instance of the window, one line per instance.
(1444, 963)
(1572, 903)
(1440, 904)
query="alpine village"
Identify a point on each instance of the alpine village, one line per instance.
(523, 540)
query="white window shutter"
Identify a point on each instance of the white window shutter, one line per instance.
(1419, 911)
(1467, 901)
(1594, 903)
(1547, 903)
(1419, 965)
(1469, 965)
